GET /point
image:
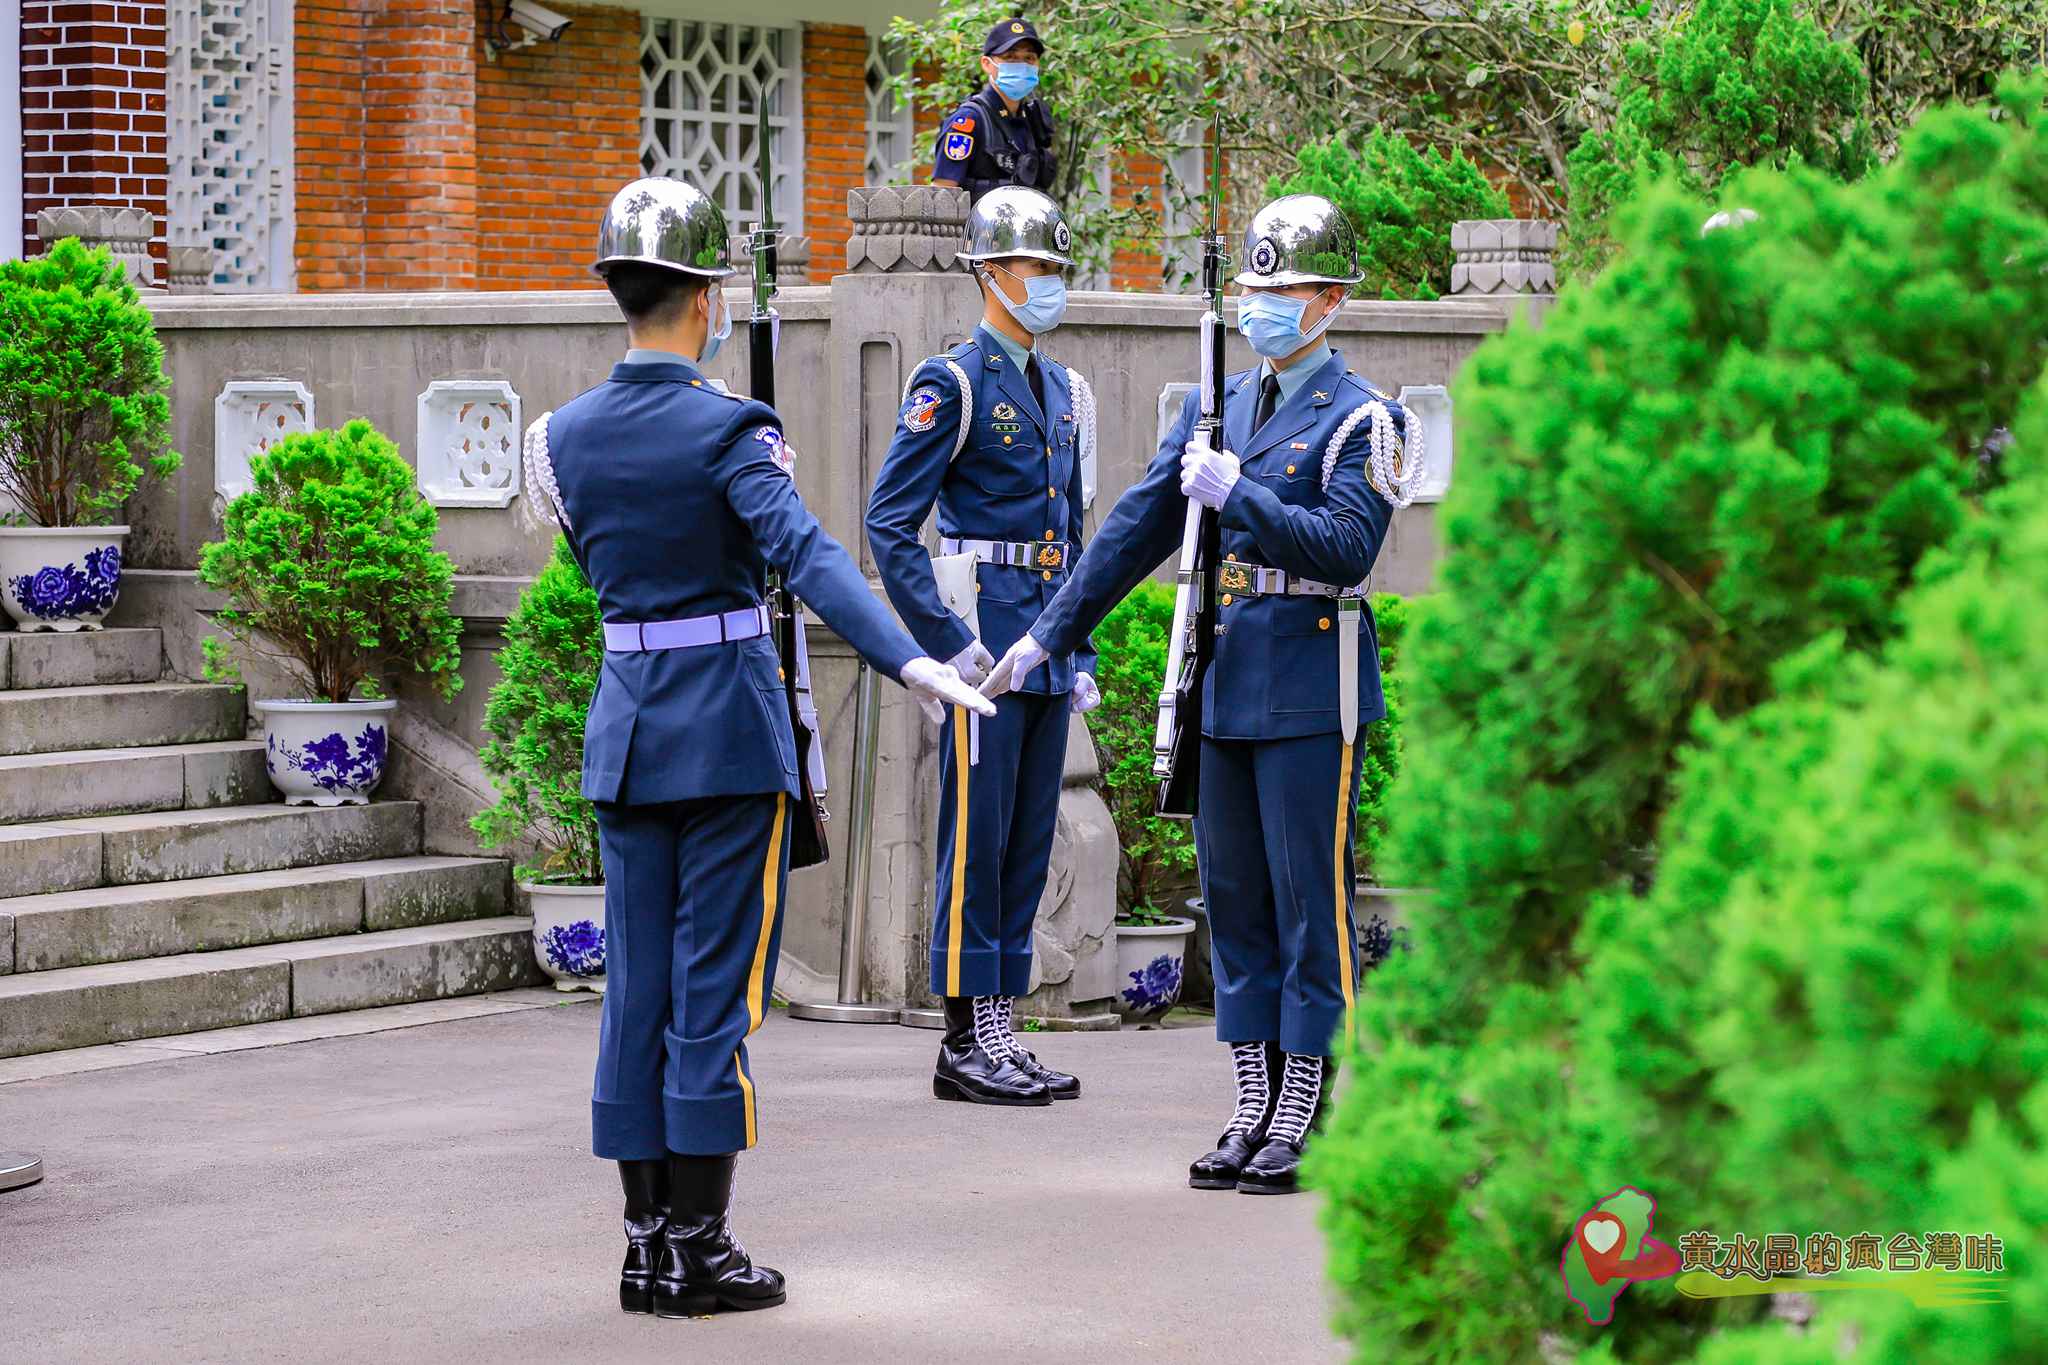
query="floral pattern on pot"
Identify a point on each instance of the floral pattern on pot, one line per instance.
(331, 763)
(1156, 988)
(58, 592)
(576, 948)
(1379, 942)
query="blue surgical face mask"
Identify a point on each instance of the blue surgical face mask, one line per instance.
(1272, 323)
(717, 338)
(1045, 302)
(1016, 79)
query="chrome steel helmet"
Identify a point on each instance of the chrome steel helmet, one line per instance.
(1300, 239)
(665, 222)
(1014, 221)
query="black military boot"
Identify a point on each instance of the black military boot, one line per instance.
(1062, 1086)
(646, 1185)
(974, 1062)
(1258, 1086)
(703, 1267)
(1276, 1167)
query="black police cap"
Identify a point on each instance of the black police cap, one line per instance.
(1008, 34)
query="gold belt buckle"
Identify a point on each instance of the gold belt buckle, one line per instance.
(1234, 578)
(1050, 556)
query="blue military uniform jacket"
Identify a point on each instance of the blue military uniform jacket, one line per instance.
(678, 497)
(1275, 671)
(1017, 478)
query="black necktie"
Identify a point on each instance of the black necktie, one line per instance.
(1037, 381)
(1269, 398)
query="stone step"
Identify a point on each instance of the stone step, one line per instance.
(152, 997)
(113, 781)
(43, 720)
(80, 658)
(168, 846)
(158, 919)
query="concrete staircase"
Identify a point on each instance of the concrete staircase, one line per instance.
(150, 884)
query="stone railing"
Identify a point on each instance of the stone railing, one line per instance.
(905, 227)
(191, 269)
(1503, 256)
(123, 231)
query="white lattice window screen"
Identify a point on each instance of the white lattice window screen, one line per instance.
(231, 137)
(701, 88)
(891, 133)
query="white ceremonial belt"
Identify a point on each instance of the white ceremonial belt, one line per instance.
(1253, 580)
(632, 637)
(1014, 554)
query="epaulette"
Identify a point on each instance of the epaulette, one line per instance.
(1355, 375)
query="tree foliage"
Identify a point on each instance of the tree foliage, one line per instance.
(84, 401)
(1379, 760)
(1403, 203)
(1762, 432)
(329, 565)
(1156, 855)
(1734, 83)
(554, 650)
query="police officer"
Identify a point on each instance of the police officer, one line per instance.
(993, 432)
(676, 497)
(1305, 488)
(1001, 136)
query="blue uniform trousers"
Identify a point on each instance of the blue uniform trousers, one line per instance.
(692, 899)
(1274, 842)
(996, 820)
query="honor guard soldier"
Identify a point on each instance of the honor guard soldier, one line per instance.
(1312, 471)
(995, 434)
(1001, 136)
(676, 498)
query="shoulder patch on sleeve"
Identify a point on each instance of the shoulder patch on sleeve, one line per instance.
(958, 146)
(921, 409)
(779, 450)
(962, 121)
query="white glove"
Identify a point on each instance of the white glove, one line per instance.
(1086, 696)
(1013, 667)
(936, 686)
(1207, 475)
(972, 663)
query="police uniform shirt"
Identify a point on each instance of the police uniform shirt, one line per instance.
(982, 145)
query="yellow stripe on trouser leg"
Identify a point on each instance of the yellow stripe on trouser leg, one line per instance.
(1337, 877)
(954, 924)
(757, 976)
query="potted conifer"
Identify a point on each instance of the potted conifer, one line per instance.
(83, 408)
(554, 648)
(329, 565)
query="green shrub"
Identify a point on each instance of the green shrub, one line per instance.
(83, 396)
(1380, 760)
(554, 650)
(330, 568)
(1156, 854)
(1717, 453)
(1734, 83)
(1403, 203)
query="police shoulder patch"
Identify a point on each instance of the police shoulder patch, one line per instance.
(921, 412)
(963, 122)
(779, 450)
(958, 145)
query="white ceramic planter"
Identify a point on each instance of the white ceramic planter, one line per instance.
(1383, 915)
(568, 934)
(60, 578)
(326, 753)
(1151, 961)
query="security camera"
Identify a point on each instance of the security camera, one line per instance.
(543, 23)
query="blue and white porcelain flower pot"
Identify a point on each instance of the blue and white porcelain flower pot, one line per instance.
(326, 753)
(1151, 961)
(568, 933)
(60, 578)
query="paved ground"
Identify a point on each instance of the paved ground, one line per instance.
(428, 1195)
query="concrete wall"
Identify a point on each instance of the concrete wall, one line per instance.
(846, 351)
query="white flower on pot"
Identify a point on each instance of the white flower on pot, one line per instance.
(83, 408)
(329, 566)
(554, 648)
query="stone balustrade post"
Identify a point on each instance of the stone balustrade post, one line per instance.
(123, 231)
(1496, 256)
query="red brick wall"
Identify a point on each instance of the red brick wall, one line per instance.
(419, 145)
(835, 60)
(557, 133)
(327, 44)
(1136, 265)
(93, 110)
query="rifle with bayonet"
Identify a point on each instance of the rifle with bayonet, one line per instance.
(807, 844)
(1177, 743)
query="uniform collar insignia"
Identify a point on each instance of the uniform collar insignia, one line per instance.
(1321, 396)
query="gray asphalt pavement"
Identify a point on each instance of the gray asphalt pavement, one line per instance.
(427, 1194)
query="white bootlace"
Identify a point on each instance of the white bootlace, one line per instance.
(992, 1028)
(1249, 1059)
(1300, 1086)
